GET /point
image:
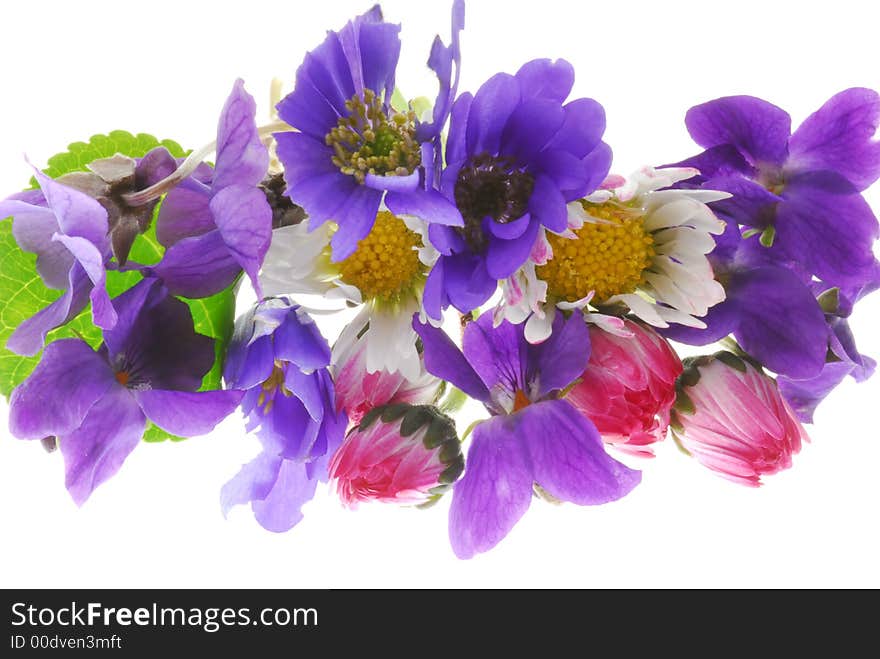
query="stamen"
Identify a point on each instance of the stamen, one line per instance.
(369, 141)
(189, 165)
(385, 266)
(271, 386)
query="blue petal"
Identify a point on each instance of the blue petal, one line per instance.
(582, 129)
(281, 509)
(242, 158)
(355, 218)
(804, 396)
(758, 129)
(493, 104)
(441, 61)
(497, 354)
(55, 398)
(186, 413)
(545, 78)
(249, 365)
(830, 234)
(96, 450)
(494, 492)
(29, 336)
(301, 343)
(456, 144)
(568, 456)
(839, 137)
(504, 257)
(548, 206)
(467, 281)
(530, 127)
(751, 204)
(197, 267)
(723, 160)
(444, 360)
(507, 230)
(244, 221)
(597, 165)
(780, 323)
(562, 358)
(427, 205)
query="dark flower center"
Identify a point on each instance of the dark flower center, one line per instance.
(492, 187)
(108, 181)
(284, 212)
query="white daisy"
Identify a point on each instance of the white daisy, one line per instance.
(385, 277)
(631, 247)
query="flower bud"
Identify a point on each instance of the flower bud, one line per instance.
(731, 417)
(398, 453)
(358, 391)
(628, 387)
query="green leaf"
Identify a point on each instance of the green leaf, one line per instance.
(22, 293)
(80, 154)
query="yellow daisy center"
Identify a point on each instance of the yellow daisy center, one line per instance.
(385, 265)
(608, 257)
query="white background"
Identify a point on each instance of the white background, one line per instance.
(72, 69)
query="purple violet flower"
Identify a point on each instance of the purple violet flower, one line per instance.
(768, 308)
(843, 357)
(798, 198)
(352, 150)
(218, 222)
(97, 403)
(533, 437)
(279, 358)
(517, 154)
(801, 190)
(68, 231)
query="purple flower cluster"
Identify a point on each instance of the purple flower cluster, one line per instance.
(797, 253)
(96, 403)
(279, 359)
(763, 242)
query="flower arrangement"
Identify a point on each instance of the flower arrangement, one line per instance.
(494, 212)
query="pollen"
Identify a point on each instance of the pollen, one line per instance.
(608, 257)
(122, 377)
(385, 265)
(370, 140)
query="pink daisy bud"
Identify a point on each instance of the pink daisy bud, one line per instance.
(628, 387)
(358, 391)
(731, 417)
(398, 454)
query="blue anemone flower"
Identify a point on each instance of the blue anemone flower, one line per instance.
(517, 154)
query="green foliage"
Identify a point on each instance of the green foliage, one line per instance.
(22, 293)
(80, 154)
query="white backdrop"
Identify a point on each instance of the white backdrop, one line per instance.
(69, 70)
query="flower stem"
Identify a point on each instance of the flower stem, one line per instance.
(188, 166)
